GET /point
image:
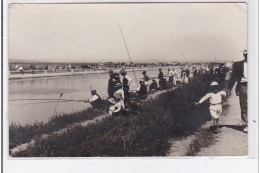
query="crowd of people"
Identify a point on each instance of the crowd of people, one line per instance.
(119, 91)
(119, 86)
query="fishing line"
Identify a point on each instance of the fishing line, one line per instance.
(46, 99)
(38, 103)
(180, 52)
(177, 59)
(125, 45)
(52, 101)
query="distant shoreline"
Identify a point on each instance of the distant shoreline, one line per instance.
(74, 72)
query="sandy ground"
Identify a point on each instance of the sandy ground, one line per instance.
(231, 140)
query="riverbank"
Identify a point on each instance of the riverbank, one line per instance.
(144, 133)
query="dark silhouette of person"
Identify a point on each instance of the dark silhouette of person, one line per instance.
(239, 75)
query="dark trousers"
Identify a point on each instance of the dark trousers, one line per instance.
(171, 81)
(243, 102)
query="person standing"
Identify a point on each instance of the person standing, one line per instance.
(118, 86)
(175, 77)
(239, 75)
(182, 71)
(161, 80)
(146, 79)
(110, 88)
(215, 99)
(194, 72)
(211, 70)
(187, 72)
(126, 84)
(170, 73)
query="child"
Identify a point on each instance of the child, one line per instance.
(215, 103)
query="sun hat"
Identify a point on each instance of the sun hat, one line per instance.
(214, 83)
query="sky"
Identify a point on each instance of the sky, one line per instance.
(178, 32)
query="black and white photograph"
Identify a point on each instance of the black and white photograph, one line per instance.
(128, 80)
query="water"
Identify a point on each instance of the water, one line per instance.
(73, 87)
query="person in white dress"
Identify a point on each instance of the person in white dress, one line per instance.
(119, 105)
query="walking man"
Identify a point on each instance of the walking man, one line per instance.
(239, 75)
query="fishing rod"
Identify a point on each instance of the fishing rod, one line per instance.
(180, 52)
(39, 103)
(177, 59)
(53, 101)
(48, 100)
(125, 45)
(57, 104)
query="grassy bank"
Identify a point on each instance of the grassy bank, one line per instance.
(203, 138)
(171, 114)
(19, 134)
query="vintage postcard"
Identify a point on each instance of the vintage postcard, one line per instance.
(128, 80)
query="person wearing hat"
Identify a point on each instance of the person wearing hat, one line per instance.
(147, 81)
(110, 88)
(126, 84)
(153, 86)
(162, 81)
(95, 100)
(185, 79)
(118, 86)
(170, 73)
(146, 78)
(175, 77)
(194, 72)
(142, 88)
(215, 99)
(119, 105)
(182, 71)
(239, 75)
(187, 72)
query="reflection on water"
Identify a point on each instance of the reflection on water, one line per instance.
(72, 87)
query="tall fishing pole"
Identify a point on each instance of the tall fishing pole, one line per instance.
(47, 99)
(57, 104)
(214, 56)
(125, 45)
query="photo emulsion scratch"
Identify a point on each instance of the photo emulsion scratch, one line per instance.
(127, 79)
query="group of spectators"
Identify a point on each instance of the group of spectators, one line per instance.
(119, 91)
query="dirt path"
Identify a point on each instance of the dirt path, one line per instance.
(231, 140)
